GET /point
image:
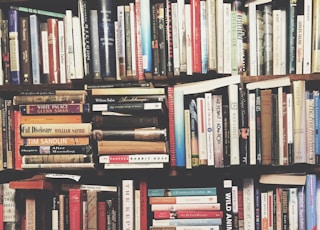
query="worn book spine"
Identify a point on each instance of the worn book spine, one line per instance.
(54, 108)
(266, 123)
(50, 119)
(218, 139)
(55, 149)
(38, 11)
(94, 40)
(25, 50)
(171, 125)
(155, 42)
(152, 134)
(56, 158)
(55, 130)
(43, 99)
(161, 27)
(127, 199)
(184, 191)
(131, 147)
(234, 124)
(183, 199)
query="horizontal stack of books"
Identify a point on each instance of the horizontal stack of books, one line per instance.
(129, 126)
(50, 131)
(194, 206)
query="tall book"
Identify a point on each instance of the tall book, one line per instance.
(53, 51)
(76, 197)
(139, 56)
(249, 203)
(234, 124)
(78, 52)
(194, 132)
(169, 48)
(121, 40)
(44, 52)
(94, 40)
(145, 16)
(5, 51)
(252, 127)
(62, 51)
(227, 193)
(127, 201)
(196, 35)
(220, 37)
(307, 44)
(69, 46)
(299, 43)
(217, 130)
(299, 121)
(212, 35)
(203, 35)
(182, 35)
(1, 40)
(292, 35)
(311, 209)
(244, 141)
(315, 53)
(128, 35)
(155, 42)
(175, 39)
(13, 16)
(202, 138)
(106, 39)
(266, 126)
(161, 19)
(25, 57)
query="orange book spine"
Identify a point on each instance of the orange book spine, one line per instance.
(17, 139)
(51, 119)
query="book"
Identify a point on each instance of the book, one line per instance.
(76, 197)
(55, 141)
(121, 40)
(266, 126)
(62, 51)
(171, 128)
(55, 130)
(212, 33)
(244, 138)
(186, 214)
(152, 134)
(187, 222)
(44, 99)
(293, 207)
(127, 91)
(56, 158)
(315, 38)
(182, 35)
(78, 52)
(218, 139)
(283, 179)
(202, 139)
(299, 43)
(69, 46)
(25, 58)
(208, 99)
(270, 83)
(188, 138)
(127, 201)
(183, 199)
(5, 51)
(311, 191)
(65, 108)
(37, 11)
(252, 127)
(249, 208)
(307, 36)
(234, 124)
(94, 41)
(188, 191)
(176, 207)
(196, 35)
(134, 158)
(132, 107)
(133, 165)
(55, 149)
(35, 47)
(44, 52)
(226, 135)
(59, 166)
(53, 51)
(36, 182)
(55, 213)
(92, 203)
(139, 54)
(194, 133)
(13, 16)
(185, 228)
(131, 147)
(161, 23)
(227, 195)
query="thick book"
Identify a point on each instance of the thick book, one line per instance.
(55, 141)
(49, 119)
(76, 197)
(56, 158)
(25, 58)
(184, 191)
(266, 126)
(151, 134)
(65, 108)
(183, 199)
(55, 149)
(44, 99)
(186, 214)
(37, 182)
(106, 39)
(131, 147)
(55, 130)
(311, 209)
(132, 107)
(127, 91)
(77, 45)
(53, 51)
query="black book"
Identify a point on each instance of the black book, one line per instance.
(243, 126)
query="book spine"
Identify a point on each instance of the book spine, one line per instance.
(55, 141)
(175, 39)
(244, 138)
(62, 52)
(5, 51)
(37, 11)
(187, 138)
(155, 42)
(188, 222)
(56, 158)
(196, 35)
(179, 127)
(25, 50)
(53, 51)
(67, 149)
(307, 43)
(56, 166)
(102, 215)
(139, 55)
(188, 38)
(290, 128)
(284, 205)
(311, 189)
(268, 42)
(121, 39)
(55, 213)
(92, 204)
(227, 31)
(202, 140)
(135, 158)
(17, 140)
(227, 191)
(44, 52)
(43, 99)
(182, 35)
(78, 51)
(234, 124)
(134, 165)
(249, 210)
(35, 47)
(203, 36)
(13, 16)
(212, 33)
(4, 133)
(69, 47)
(128, 34)
(143, 204)
(299, 44)
(310, 130)
(94, 41)
(171, 125)
(218, 131)
(197, 191)
(252, 128)
(83, 10)
(76, 197)
(253, 19)
(127, 204)
(317, 124)
(178, 207)
(54, 108)
(132, 25)
(136, 134)
(293, 207)
(169, 37)
(9, 133)
(302, 207)
(55, 130)
(161, 26)
(292, 36)
(183, 200)
(226, 135)
(209, 127)
(266, 123)
(128, 107)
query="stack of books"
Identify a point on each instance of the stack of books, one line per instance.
(193, 206)
(50, 131)
(129, 126)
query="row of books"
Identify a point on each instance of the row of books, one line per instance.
(220, 123)
(41, 202)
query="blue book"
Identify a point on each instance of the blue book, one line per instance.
(35, 48)
(146, 35)
(188, 222)
(317, 126)
(106, 17)
(257, 205)
(182, 191)
(13, 28)
(302, 207)
(311, 209)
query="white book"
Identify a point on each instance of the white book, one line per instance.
(133, 37)
(276, 20)
(299, 121)
(202, 136)
(69, 166)
(227, 53)
(127, 209)
(252, 18)
(69, 48)
(280, 125)
(234, 192)
(105, 188)
(234, 124)
(134, 158)
(176, 207)
(307, 35)
(283, 42)
(78, 51)
(204, 37)
(299, 44)
(213, 227)
(9, 204)
(55, 214)
(44, 50)
(293, 208)
(188, 38)
(252, 128)
(121, 41)
(116, 45)
(264, 209)
(187, 127)
(212, 34)
(290, 122)
(271, 83)
(132, 165)
(248, 204)
(182, 35)
(310, 131)
(217, 131)
(35, 47)
(62, 52)
(175, 38)
(137, 209)
(209, 127)
(220, 33)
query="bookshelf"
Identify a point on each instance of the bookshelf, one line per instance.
(245, 178)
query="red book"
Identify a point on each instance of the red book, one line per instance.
(53, 50)
(171, 126)
(17, 139)
(143, 204)
(196, 35)
(102, 215)
(76, 197)
(187, 214)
